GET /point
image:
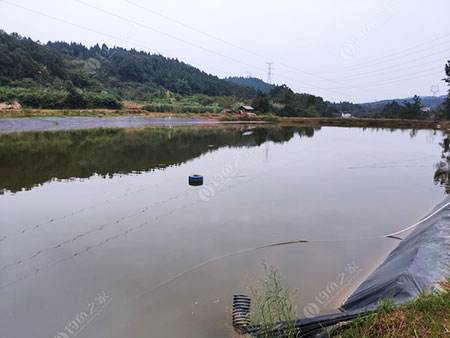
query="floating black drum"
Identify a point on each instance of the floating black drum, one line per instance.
(196, 180)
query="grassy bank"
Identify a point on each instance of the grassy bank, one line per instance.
(427, 316)
(27, 113)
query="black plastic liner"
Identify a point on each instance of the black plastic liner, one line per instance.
(420, 260)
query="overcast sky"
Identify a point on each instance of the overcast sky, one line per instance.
(355, 50)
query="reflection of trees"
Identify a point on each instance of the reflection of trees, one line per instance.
(29, 159)
(281, 134)
(412, 132)
(442, 174)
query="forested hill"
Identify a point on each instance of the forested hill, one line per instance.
(253, 82)
(429, 101)
(127, 73)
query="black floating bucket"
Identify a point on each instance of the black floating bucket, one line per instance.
(241, 313)
(196, 180)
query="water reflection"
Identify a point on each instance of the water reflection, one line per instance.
(33, 158)
(442, 174)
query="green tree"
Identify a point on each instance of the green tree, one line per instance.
(446, 108)
(182, 86)
(393, 110)
(413, 110)
(75, 98)
(331, 112)
(261, 102)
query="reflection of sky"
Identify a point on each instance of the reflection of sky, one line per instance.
(340, 184)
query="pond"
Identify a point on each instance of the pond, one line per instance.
(101, 235)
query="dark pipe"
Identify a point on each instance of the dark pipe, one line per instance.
(241, 313)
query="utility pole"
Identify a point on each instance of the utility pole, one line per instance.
(249, 74)
(269, 72)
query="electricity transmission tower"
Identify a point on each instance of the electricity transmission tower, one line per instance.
(269, 72)
(434, 90)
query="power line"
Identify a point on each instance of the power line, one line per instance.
(170, 35)
(196, 29)
(332, 90)
(227, 42)
(102, 33)
(391, 56)
(174, 37)
(97, 32)
(377, 71)
(237, 46)
(397, 79)
(193, 44)
(75, 25)
(166, 34)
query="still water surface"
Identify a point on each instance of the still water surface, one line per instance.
(101, 236)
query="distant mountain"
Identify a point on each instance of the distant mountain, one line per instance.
(428, 101)
(252, 82)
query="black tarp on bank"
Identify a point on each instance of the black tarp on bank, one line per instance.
(420, 260)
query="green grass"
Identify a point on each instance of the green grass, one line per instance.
(272, 304)
(426, 316)
(181, 108)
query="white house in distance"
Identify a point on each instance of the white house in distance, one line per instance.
(346, 115)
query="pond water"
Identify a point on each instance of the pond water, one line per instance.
(101, 235)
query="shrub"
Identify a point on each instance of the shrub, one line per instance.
(58, 99)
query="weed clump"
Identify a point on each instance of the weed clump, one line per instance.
(272, 307)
